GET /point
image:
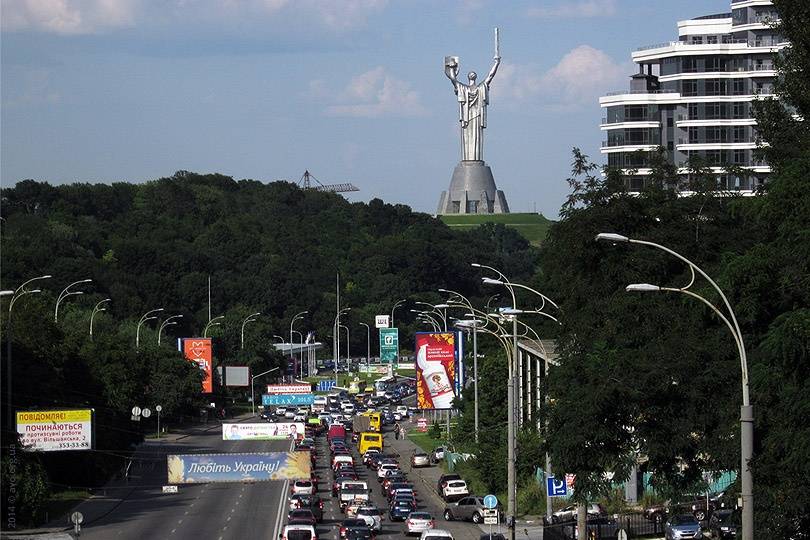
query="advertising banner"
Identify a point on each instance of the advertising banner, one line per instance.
(382, 321)
(198, 350)
(203, 468)
(54, 431)
(289, 388)
(266, 431)
(460, 381)
(235, 375)
(389, 345)
(373, 369)
(288, 399)
(435, 369)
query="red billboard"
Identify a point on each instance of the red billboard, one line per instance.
(198, 350)
(435, 370)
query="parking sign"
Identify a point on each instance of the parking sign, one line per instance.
(555, 487)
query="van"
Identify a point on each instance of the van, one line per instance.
(319, 404)
(336, 431)
(369, 440)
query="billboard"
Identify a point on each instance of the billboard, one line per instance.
(56, 430)
(435, 369)
(198, 350)
(203, 468)
(382, 321)
(389, 345)
(266, 431)
(289, 388)
(235, 375)
(288, 399)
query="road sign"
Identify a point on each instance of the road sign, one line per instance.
(491, 520)
(382, 321)
(76, 517)
(158, 408)
(490, 501)
(491, 515)
(288, 399)
(555, 487)
(389, 345)
(421, 424)
(325, 386)
(146, 413)
(136, 411)
(169, 489)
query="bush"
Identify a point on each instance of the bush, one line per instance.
(531, 498)
(614, 502)
(435, 431)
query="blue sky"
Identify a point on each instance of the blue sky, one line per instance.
(353, 90)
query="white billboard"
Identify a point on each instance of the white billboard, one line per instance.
(235, 375)
(266, 431)
(382, 321)
(56, 430)
(289, 388)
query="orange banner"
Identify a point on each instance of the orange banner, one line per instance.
(198, 350)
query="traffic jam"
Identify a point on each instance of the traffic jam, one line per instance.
(358, 488)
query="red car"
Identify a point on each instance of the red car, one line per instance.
(301, 516)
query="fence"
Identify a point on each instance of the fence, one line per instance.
(607, 528)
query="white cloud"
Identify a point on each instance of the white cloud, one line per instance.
(344, 14)
(575, 9)
(68, 16)
(579, 78)
(374, 94)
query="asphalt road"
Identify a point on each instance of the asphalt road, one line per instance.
(196, 512)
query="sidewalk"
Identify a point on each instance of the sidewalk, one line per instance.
(107, 498)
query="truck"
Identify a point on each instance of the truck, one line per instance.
(367, 421)
(336, 431)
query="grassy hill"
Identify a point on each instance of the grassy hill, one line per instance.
(531, 226)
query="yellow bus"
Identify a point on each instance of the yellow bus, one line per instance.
(375, 421)
(369, 440)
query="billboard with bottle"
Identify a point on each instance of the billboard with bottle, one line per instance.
(435, 369)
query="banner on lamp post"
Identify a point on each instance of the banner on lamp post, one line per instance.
(389, 345)
(435, 370)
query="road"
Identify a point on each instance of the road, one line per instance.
(196, 512)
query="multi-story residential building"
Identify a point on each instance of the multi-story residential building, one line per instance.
(693, 98)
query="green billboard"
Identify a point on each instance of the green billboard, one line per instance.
(389, 345)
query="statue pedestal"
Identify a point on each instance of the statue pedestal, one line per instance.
(472, 191)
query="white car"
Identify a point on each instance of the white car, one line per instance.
(304, 487)
(403, 410)
(290, 413)
(454, 490)
(347, 408)
(298, 532)
(382, 472)
(281, 411)
(299, 418)
(371, 515)
(418, 522)
(436, 534)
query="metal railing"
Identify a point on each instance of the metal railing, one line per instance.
(686, 44)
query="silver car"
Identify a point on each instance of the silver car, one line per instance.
(467, 508)
(682, 526)
(420, 459)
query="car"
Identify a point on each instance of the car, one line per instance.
(372, 515)
(443, 479)
(400, 511)
(492, 536)
(467, 508)
(299, 418)
(351, 523)
(305, 487)
(311, 502)
(398, 487)
(454, 490)
(298, 532)
(436, 534)
(682, 526)
(438, 454)
(420, 459)
(360, 534)
(384, 468)
(403, 500)
(301, 516)
(399, 493)
(403, 410)
(569, 513)
(724, 523)
(281, 411)
(418, 522)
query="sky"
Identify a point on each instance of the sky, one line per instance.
(351, 90)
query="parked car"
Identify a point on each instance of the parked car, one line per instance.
(420, 459)
(418, 522)
(682, 526)
(436, 534)
(455, 490)
(443, 479)
(724, 523)
(569, 513)
(438, 454)
(467, 508)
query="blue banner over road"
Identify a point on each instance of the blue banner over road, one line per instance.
(204, 468)
(288, 399)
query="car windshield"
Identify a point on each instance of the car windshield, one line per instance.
(457, 484)
(299, 535)
(684, 519)
(420, 515)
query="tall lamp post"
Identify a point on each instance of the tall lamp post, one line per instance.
(336, 339)
(64, 294)
(298, 316)
(368, 346)
(213, 322)
(96, 309)
(746, 410)
(250, 318)
(348, 352)
(168, 322)
(252, 397)
(300, 353)
(145, 317)
(18, 293)
(396, 305)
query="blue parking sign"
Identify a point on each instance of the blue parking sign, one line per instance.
(556, 488)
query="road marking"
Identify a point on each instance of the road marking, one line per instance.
(173, 530)
(229, 518)
(179, 521)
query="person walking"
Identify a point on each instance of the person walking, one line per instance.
(397, 429)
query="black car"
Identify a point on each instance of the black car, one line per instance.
(724, 523)
(492, 536)
(359, 533)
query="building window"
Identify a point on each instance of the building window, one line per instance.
(697, 40)
(712, 111)
(738, 87)
(693, 135)
(689, 65)
(739, 134)
(689, 87)
(713, 87)
(714, 157)
(669, 122)
(712, 40)
(740, 110)
(739, 157)
(693, 113)
(713, 134)
(715, 63)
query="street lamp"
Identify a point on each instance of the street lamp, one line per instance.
(746, 410)
(96, 309)
(168, 322)
(276, 336)
(368, 345)
(212, 322)
(336, 339)
(64, 294)
(145, 317)
(300, 357)
(248, 319)
(396, 305)
(296, 317)
(348, 354)
(252, 396)
(15, 295)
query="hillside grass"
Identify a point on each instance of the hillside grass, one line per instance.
(533, 227)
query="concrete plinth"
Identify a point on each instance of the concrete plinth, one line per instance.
(473, 191)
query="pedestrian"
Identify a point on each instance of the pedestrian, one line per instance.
(396, 430)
